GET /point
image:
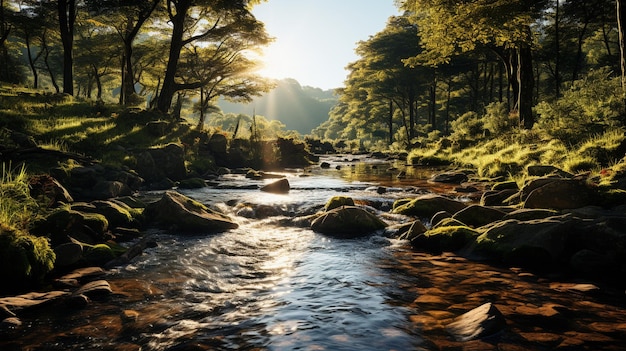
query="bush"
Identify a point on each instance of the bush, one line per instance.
(590, 106)
(468, 126)
(497, 118)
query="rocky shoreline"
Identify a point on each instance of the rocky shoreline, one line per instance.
(554, 222)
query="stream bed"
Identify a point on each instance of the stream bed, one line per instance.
(268, 286)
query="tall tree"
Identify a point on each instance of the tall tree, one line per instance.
(621, 23)
(448, 27)
(202, 20)
(127, 17)
(67, 11)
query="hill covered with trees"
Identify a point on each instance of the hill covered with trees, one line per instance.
(300, 108)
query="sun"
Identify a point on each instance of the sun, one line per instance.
(277, 62)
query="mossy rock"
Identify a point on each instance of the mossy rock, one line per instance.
(347, 222)
(98, 254)
(24, 259)
(192, 183)
(118, 214)
(445, 238)
(448, 222)
(506, 185)
(477, 216)
(400, 202)
(338, 201)
(426, 206)
(65, 221)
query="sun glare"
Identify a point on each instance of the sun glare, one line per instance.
(277, 63)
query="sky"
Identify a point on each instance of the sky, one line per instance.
(315, 39)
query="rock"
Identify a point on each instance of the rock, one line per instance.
(527, 214)
(449, 222)
(98, 254)
(129, 316)
(450, 178)
(107, 189)
(427, 205)
(338, 201)
(481, 322)
(347, 222)
(278, 187)
(31, 300)
(64, 223)
(48, 191)
(440, 239)
(78, 301)
(165, 162)
(591, 264)
(416, 228)
(192, 183)
(505, 185)
(185, 214)
(546, 170)
(84, 274)
(437, 217)
(117, 214)
(68, 254)
(535, 244)
(497, 197)
(560, 194)
(9, 324)
(95, 289)
(477, 216)
(325, 165)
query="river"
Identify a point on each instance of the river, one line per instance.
(270, 286)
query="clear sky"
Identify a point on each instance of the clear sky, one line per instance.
(315, 39)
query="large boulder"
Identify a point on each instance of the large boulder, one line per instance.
(478, 216)
(445, 238)
(560, 194)
(427, 205)
(347, 222)
(534, 243)
(187, 215)
(48, 191)
(166, 162)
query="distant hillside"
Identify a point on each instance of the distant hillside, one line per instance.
(299, 108)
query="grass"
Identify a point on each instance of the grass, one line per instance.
(17, 208)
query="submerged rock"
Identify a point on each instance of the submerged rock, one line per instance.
(347, 222)
(185, 214)
(278, 187)
(338, 201)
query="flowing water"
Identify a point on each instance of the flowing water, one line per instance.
(271, 286)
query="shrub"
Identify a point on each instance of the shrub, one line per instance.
(468, 126)
(497, 118)
(590, 106)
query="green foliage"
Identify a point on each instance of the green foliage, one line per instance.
(24, 259)
(17, 208)
(468, 126)
(497, 119)
(591, 106)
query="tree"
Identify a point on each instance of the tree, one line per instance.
(449, 27)
(67, 11)
(621, 22)
(127, 17)
(202, 20)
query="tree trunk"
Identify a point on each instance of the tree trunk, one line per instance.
(526, 81)
(411, 116)
(390, 122)
(31, 63)
(176, 44)
(557, 58)
(50, 72)
(621, 17)
(67, 16)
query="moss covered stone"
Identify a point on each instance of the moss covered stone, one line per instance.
(338, 201)
(450, 238)
(426, 206)
(192, 183)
